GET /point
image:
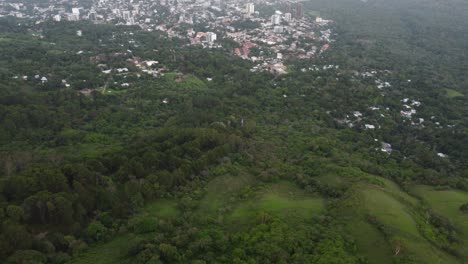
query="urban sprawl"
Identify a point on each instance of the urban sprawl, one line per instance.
(266, 40)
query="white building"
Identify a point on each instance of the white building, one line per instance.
(57, 18)
(249, 8)
(210, 37)
(76, 11)
(275, 19)
(126, 15)
(130, 21)
(73, 17)
(278, 29)
(287, 17)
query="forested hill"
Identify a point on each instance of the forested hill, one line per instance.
(357, 155)
(423, 38)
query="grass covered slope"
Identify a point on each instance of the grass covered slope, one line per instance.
(283, 199)
(213, 163)
(450, 93)
(248, 198)
(447, 203)
(165, 209)
(387, 226)
(220, 192)
(384, 222)
(114, 251)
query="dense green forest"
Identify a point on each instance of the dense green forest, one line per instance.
(209, 162)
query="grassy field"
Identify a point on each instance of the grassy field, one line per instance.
(371, 242)
(332, 180)
(283, 199)
(162, 209)
(390, 212)
(351, 211)
(394, 190)
(115, 92)
(220, 192)
(450, 93)
(190, 82)
(112, 252)
(394, 219)
(447, 203)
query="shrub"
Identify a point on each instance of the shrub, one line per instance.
(97, 231)
(15, 213)
(27, 257)
(77, 246)
(59, 258)
(464, 208)
(44, 246)
(145, 225)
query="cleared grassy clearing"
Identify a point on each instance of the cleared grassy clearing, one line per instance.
(332, 180)
(385, 213)
(161, 209)
(450, 93)
(394, 190)
(447, 204)
(110, 252)
(284, 200)
(370, 241)
(220, 192)
(186, 81)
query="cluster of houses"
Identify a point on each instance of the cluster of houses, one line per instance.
(285, 34)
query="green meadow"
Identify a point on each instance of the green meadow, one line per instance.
(384, 220)
(447, 202)
(284, 200)
(450, 93)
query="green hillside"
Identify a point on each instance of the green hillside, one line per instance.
(137, 138)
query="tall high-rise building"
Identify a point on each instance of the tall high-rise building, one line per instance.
(287, 7)
(299, 10)
(249, 8)
(287, 17)
(275, 19)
